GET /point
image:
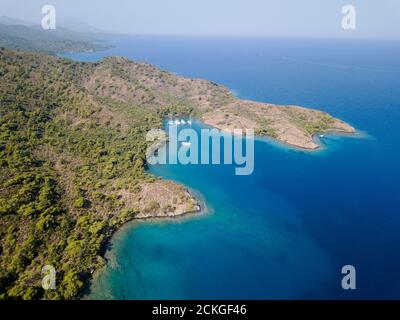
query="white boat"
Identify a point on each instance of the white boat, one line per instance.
(189, 122)
(321, 135)
(177, 122)
(183, 121)
(186, 144)
(170, 122)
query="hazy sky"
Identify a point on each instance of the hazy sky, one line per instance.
(309, 18)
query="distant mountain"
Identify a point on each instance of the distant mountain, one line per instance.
(77, 25)
(34, 38)
(15, 21)
(69, 23)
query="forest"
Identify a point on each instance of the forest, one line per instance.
(66, 156)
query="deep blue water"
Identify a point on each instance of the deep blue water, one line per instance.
(286, 230)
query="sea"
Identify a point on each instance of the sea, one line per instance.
(287, 230)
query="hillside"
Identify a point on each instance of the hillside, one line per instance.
(35, 39)
(146, 85)
(72, 169)
(72, 158)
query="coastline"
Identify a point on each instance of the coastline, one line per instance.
(315, 137)
(202, 210)
(290, 125)
(327, 145)
(200, 207)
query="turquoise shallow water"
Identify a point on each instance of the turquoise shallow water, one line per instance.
(286, 230)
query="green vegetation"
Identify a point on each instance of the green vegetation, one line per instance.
(265, 128)
(64, 156)
(321, 124)
(267, 131)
